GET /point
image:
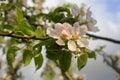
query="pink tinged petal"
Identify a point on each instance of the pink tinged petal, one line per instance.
(93, 21)
(64, 35)
(88, 14)
(69, 29)
(76, 27)
(94, 29)
(58, 28)
(76, 24)
(51, 32)
(60, 42)
(75, 10)
(83, 29)
(71, 45)
(82, 42)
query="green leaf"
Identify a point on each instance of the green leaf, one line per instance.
(65, 60)
(8, 27)
(53, 50)
(19, 33)
(62, 9)
(20, 16)
(53, 54)
(39, 32)
(38, 59)
(91, 55)
(68, 20)
(23, 25)
(38, 46)
(55, 17)
(82, 60)
(11, 55)
(27, 57)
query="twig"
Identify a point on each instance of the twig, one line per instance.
(22, 37)
(64, 74)
(104, 38)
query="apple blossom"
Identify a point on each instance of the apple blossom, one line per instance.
(84, 18)
(65, 32)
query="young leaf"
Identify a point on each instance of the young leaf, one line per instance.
(38, 59)
(22, 25)
(92, 54)
(82, 60)
(39, 32)
(20, 16)
(65, 60)
(8, 27)
(27, 57)
(11, 55)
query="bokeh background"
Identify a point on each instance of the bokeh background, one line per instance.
(107, 14)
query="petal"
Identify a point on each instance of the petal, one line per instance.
(60, 42)
(76, 27)
(88, 14)
(82, 42)
(75, 10)
(93, 21)
(69, 29)
(71, 45)
(52, 33)
(58, 28)
(83, 29)
(92, 28)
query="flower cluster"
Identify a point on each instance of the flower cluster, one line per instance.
(73, 35)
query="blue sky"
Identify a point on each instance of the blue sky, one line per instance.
(112, 5)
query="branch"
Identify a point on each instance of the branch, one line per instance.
(104, 38)
(22, 37)
(109, 60)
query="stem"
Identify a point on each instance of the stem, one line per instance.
(66, 76)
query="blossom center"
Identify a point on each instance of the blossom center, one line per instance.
(75, 36)
(64, 36)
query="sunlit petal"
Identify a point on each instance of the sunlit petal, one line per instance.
(50, 31)
(60, 42)
(82, 42)
(71, 45)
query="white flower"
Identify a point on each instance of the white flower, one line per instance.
(65, 32)
(82, 28)
(75, 10)
(60, 32)
(91, 22)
